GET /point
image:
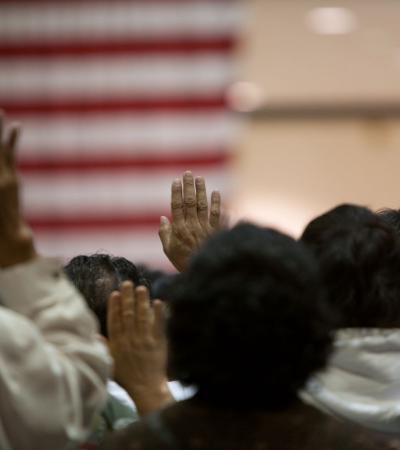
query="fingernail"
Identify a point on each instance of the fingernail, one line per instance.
(163, 220)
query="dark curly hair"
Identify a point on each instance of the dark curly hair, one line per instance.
(360, 261)
(390, 217)
(96, 276)
(248, 322)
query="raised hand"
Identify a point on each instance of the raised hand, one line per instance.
(16, 242)
(138, 345)
(192, 219)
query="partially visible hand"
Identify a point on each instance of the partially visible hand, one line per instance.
(192, 220)
(16, 242)
(138, 345)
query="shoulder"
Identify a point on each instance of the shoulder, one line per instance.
(325, 431)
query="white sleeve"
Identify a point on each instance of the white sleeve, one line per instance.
(361, 382)
(53, 368)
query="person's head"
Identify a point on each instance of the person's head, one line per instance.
(360, 262)
(248, 321)
(96, 276)
(391, 217)
(159, 280)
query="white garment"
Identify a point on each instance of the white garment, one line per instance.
(362, 380)
(53, 367)
(178, 391)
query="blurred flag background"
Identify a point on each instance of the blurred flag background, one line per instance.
(116, 99)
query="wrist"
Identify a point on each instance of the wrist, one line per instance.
(18, 254)
(152, 397)
(180, 264)
(17, 247)
(151, 388)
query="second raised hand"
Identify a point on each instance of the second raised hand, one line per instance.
(192, 219)
(138, 346)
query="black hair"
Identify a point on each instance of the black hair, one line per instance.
(360, 261)
(248, 322)
(390, 217)
(96, 276)
(159, 280)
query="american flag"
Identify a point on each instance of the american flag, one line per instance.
(116, 99)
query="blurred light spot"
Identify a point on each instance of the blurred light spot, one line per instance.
(331, 20)
(244, 96)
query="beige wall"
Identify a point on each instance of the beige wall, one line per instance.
(286, 172)
(291, 63)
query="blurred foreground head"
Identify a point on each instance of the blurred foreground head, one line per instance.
(248, 322)
(359, 254)
(391, 217)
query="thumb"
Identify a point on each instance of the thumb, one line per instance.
(164, 231)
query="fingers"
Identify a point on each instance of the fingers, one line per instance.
(202, 203)
(164, 232)
(8, 143)
(189, 197)
(143, 312)
(127, 306)
(130, 313)
(11, 145)
(215, 210)
(159, 319)
(114, 322)
(177, 212)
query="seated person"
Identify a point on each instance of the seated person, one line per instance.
(248, 325)
(97, 276)
(53, 367)
(372, 403)
(359, 253)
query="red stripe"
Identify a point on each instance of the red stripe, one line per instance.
(49, 223)
(211, 158)
(181, 44)
(96, 106)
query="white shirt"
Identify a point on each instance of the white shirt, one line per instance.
(362, 380)
(53, 368)
(178, 391)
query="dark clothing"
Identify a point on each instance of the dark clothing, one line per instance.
(193, 425)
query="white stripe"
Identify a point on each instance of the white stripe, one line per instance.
(114, 77)
(140, 246)
(107, 192)
(125, 134)
(116, 20)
